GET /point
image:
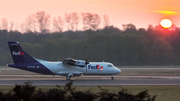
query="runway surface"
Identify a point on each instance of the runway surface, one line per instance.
(95, 82)
(48, 80)
(8, 77)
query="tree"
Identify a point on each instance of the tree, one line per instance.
(31, 23)
(23, 28)
(43, 21)
(90, 21)
(4, 24)
(129, 28)
(50, 48)
(141, 31)
(40, 21)
(58, 24)
(72, 20)
(133, 49)
(106, 21)
(11, 26)
(161, 52)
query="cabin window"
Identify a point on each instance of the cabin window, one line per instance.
(110, 66)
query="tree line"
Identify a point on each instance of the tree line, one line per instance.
(41, 23)
(153, 46)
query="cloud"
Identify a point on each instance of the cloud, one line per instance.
(168, 12)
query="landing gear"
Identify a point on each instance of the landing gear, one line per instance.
(112, 77)
(68, 77)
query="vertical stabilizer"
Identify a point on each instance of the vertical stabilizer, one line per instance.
(18, 54)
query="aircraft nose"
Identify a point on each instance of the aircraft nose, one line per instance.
(118, 70)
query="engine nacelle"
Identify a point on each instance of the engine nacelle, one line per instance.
(74, 62)
(80, 63)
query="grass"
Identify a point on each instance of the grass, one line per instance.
(164, 93)
(4, 67)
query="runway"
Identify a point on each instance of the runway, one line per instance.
(8, 77)
(49, 80)
(94, 82)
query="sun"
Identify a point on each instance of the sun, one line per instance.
(166, 23)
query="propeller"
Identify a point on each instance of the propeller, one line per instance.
(86, 62)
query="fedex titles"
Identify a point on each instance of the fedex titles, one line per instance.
(17, 53)
(95, 67)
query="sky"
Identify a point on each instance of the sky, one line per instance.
(141, 13)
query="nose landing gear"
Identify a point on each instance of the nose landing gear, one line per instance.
(112, 77)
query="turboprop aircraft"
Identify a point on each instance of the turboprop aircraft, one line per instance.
(68, 67)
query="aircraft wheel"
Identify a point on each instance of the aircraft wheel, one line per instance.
(68, 77)
(112, 77)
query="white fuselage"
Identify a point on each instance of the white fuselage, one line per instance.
(93, 68)
(68, 67)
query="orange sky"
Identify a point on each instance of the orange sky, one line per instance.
(138, 12)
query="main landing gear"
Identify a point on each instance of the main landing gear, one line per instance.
(112, 77)
(68, 77)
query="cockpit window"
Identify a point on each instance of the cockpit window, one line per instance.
(110, 66)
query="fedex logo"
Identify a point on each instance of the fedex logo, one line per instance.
(17, 53)
(95, 67)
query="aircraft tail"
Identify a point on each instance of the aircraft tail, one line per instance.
(18, 54)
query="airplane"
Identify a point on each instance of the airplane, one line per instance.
(69, 67)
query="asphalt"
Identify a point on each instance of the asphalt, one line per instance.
(94, 82)
(9, 77)
(47, 80)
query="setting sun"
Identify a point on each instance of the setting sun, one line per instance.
(166, 23)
